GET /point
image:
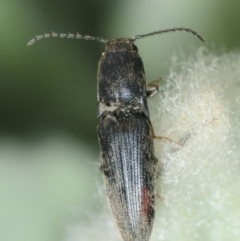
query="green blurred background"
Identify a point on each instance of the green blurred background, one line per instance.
(49, 152)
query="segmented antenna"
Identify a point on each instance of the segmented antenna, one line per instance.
(169, 30)
(64, 35)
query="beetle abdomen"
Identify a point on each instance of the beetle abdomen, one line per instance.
(129, 171)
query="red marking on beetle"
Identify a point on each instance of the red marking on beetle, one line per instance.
(146, 202)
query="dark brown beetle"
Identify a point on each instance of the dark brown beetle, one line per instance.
(125, 133)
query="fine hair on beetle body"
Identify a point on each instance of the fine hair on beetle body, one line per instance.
(125, 133)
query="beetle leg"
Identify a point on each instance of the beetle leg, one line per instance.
(153, 87)
(166, 139)
(163, 137)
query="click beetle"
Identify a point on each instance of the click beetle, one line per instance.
(125, 133)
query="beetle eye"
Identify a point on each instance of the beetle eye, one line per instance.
(135, 49)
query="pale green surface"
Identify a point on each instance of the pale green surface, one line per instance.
(41, 184)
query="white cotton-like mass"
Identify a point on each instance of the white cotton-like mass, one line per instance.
(198, 186)
(200, 181)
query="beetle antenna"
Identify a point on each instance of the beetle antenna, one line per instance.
(64, 35)
(169, 30)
